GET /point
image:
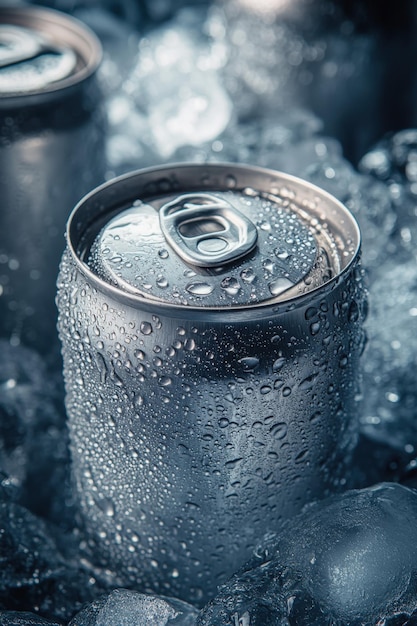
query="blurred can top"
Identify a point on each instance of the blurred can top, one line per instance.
(43, 54)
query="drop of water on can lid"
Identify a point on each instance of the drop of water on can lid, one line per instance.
(248, 275)
(268, 265)
(280, 285)
(146, 328)
(230, 285)
(163, 253)
(162, 282)
(199, 289)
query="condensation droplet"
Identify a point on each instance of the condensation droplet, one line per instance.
(279, 430)
(249, 363)
(189, 344)
(308, 382)
(162, 282)
(146, 328)
(200, 289)
(278, 364)
(230, 285)
(248, 275)
(314, 328)
(278, 286)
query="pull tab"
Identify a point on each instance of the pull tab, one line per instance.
(206, 230)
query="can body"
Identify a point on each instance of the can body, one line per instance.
(195, 432)
(51, 153)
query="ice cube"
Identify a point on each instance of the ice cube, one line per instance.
(390, 402)
(365, 198)
(351, 559)
(394, 161)
(122, 607)
(33, 575)
(172, 97)
(33, 437)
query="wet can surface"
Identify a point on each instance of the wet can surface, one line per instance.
(51, 154)
(211, 324)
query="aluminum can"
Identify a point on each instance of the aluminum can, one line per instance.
(211, 324)
(51, 154)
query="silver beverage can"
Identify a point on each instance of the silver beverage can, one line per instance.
(51, 154)
(211, 327)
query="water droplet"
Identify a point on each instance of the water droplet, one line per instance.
(162, 282)
(232, 464)
(230, 285)
(343, 361)
(278, 286)
(165, 381)
(310, 313)
(249, 363)
(248, 275)
(314, 328)
(106, 505)
(189, 344)
(300, 458)
(286, 392)
(139, 401)
(279, 430)
(282, 254)
(265, 389)
(200, 289)
(353, 314)
(146, 328)
(163, 253)
(308, 382)
(264, 225)
(268, 265)
(231, 181)
(278, 364)
(315, 417)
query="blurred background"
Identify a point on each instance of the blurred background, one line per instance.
(350, 62)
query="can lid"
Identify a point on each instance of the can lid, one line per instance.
(210, 249)
(29, 61)
(42, 52)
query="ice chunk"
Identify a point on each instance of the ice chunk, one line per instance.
(33, 437)
(125, 608)
(394, 161)
(390, 402)
(365, 198)
(23, 618)
(263, 57)
(172, 97)
(351, 559)
(33, 575)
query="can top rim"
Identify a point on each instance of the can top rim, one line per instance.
(68, 31)
(128, 187)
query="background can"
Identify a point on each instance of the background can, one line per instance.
(51, 154)
(196, 429)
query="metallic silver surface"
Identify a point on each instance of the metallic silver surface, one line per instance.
(50, 155)
(197, 429)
